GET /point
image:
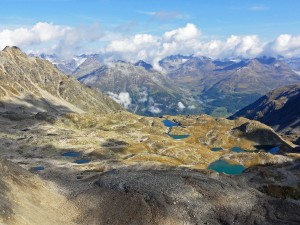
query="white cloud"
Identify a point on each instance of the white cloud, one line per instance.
(191, 107)
(40, 32)
(186, 40)
(143, 96)
(181, 106)
(284, 44)
(154, 109)
(50, 37)
(122, 98)
(189, 32)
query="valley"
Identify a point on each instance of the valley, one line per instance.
(77, 157)
(186, 84)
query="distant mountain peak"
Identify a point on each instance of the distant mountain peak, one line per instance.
(266, 59)
(143, 64)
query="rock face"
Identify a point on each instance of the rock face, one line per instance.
(150, 92)
(178, 196)
(278, 109)
(33, 83)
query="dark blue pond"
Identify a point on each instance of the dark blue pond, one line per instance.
(169, 123)
(268, 148)
(216, 149)
(71, 154)
(222, 166)
(37, 168)
(274, 150)
(237, 149)
(82, 161)
(177, 137)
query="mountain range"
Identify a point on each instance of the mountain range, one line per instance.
(148, 92)
(189, 84)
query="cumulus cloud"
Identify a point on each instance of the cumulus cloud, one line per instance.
(154, 109)
(186, 40)
(189, 32)
(143, 95)
(152, 48)
(40, 32)
(284, 44)
(191, 107)
(50, 37)
(181, 106)
(122, 98)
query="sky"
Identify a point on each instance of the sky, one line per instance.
(152, 29)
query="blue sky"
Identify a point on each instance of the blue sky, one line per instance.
(267, 18)
(216, 19)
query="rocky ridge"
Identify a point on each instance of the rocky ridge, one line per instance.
(33, 83)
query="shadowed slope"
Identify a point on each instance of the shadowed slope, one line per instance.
(278, 109)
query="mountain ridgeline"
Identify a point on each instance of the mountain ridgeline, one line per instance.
(279, 109)
(34, 84)
(188, 84)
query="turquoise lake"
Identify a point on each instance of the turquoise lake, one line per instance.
(222, 166)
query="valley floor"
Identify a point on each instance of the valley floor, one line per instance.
(134, 173)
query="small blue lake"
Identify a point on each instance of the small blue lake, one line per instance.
(71, 154)
(38, 168)
(222, 166)
(169, 123)
(237, 149)
(82, 161)
(216, 149)
(274, 150)
(178, 137)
